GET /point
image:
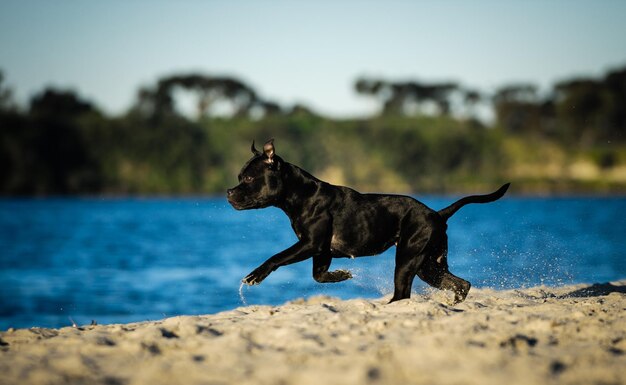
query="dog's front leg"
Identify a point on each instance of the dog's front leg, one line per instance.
(296, 253)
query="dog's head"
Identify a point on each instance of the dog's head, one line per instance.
(260, 180)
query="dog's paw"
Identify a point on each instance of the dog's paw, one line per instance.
(338, 275)
(343, 274)
(252, 279)
(257, 276)
(249, 280)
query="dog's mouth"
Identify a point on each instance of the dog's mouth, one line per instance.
(241, 205)
(235, 204)
(248, 204)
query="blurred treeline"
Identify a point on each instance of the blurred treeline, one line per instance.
(190, 134)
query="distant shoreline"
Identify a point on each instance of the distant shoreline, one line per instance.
(570, 334)
(451, 195)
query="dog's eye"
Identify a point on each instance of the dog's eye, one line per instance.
(248, 179)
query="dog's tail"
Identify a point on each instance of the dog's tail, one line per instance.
(453, 208)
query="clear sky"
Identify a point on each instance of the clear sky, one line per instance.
(304, 51)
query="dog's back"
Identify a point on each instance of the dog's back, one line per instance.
(368, 224)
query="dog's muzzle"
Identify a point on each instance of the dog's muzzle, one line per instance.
(234, 201)
(230, 195)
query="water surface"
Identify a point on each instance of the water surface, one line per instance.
(124, 260)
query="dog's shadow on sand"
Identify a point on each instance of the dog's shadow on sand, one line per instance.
(596, 290)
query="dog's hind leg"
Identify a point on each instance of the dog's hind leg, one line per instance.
(321, 263)
(406, 268)
(459, 286)
(445, 280)
(409, 257)
(434, 271)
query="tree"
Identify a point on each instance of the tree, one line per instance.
(57, 157)
(471, 98)
(208, 91)
(517, 108)
(615, 84)
(580, 105)
(6, 96)
(60, 104)
(400, 98)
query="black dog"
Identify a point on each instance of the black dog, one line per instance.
(338, 222)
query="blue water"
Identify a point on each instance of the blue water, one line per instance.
(125, 260)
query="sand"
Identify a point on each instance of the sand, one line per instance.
(542, 335)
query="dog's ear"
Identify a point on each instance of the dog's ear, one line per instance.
(254, 150)
(268, 149)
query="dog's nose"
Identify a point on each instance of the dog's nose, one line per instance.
(229, 192)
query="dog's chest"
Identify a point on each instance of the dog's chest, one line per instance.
(337, 245)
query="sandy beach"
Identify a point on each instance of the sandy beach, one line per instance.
(541, 335)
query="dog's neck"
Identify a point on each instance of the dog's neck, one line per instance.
(296, 199)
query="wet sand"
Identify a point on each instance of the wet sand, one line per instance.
(542, 335)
